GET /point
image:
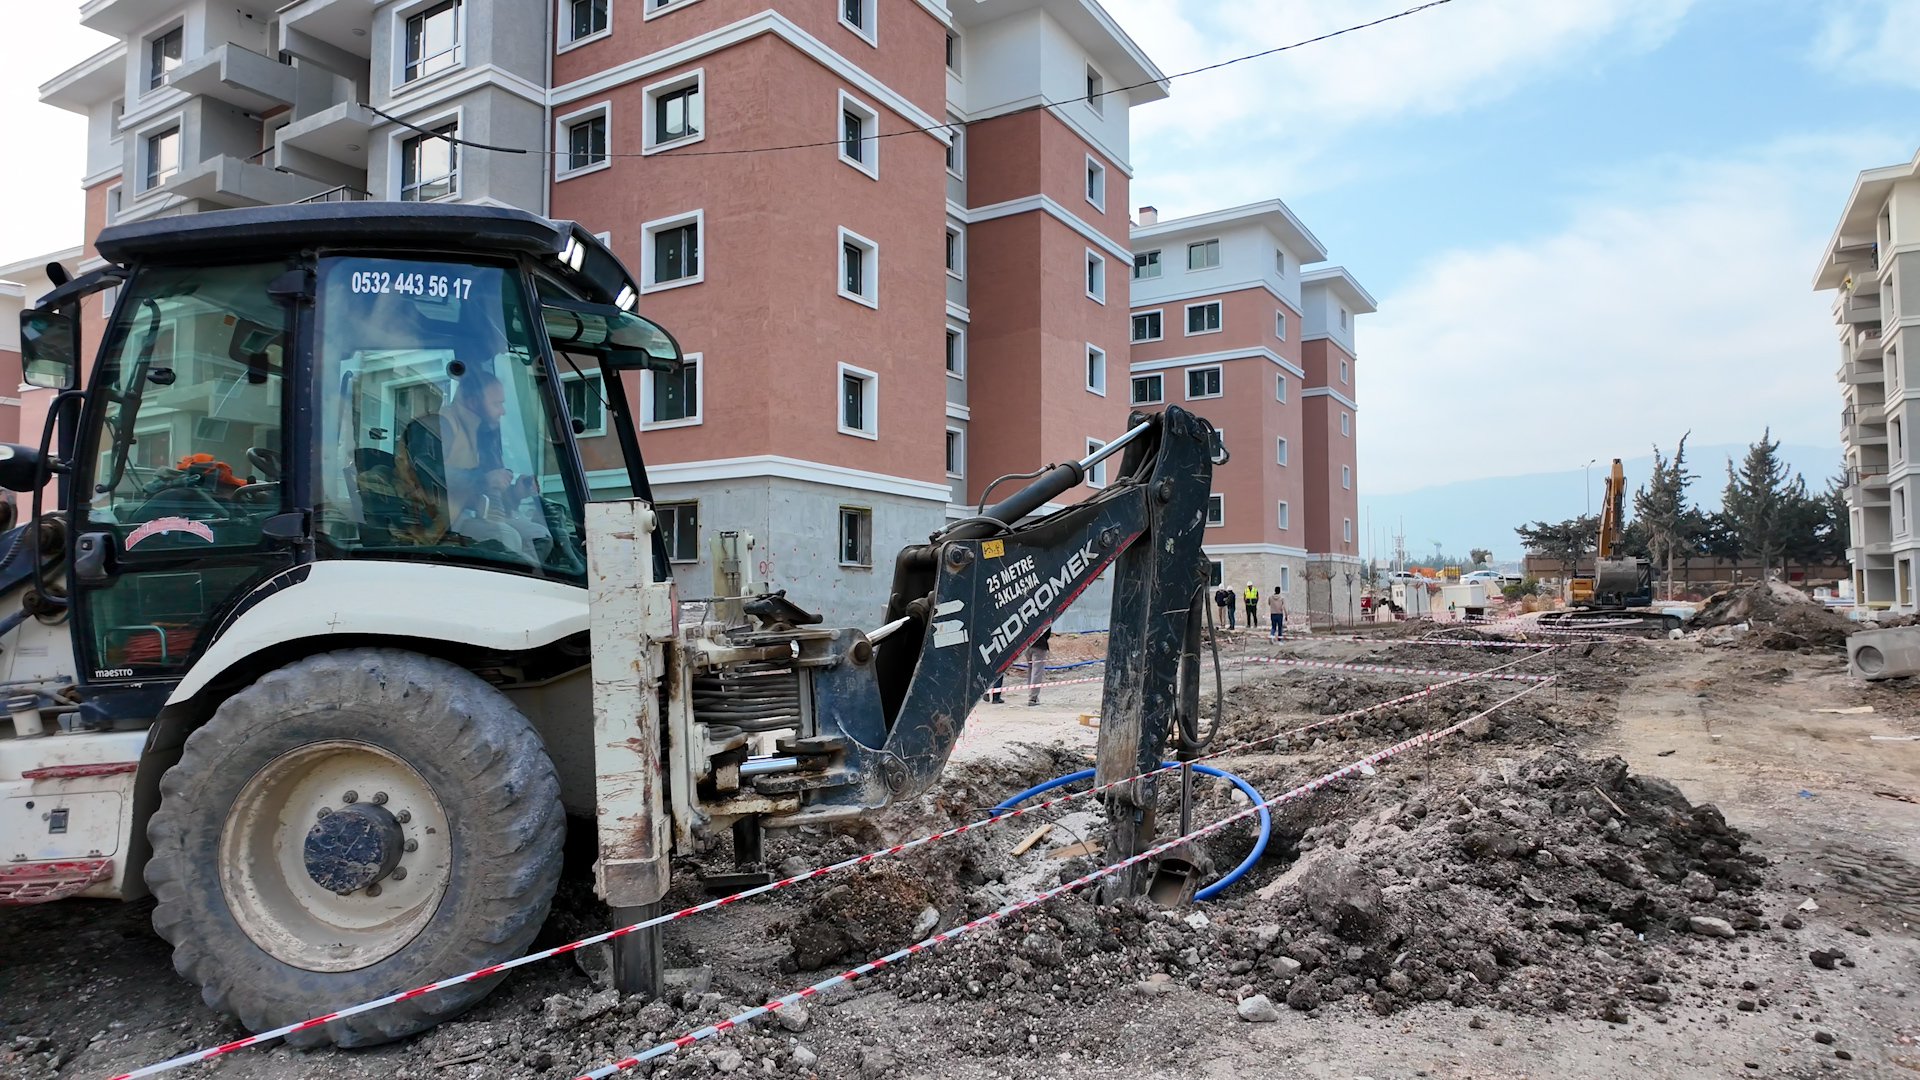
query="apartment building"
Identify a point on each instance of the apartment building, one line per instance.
(21, 283)
(1873, 265)
(1228, 322)
(943, 235)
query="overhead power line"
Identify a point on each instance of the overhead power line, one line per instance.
(930, 128)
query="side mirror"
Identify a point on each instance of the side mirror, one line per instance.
(48, 344)
(19, 467)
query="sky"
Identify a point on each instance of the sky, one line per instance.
(1591, 225)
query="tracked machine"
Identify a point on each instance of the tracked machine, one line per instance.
(1618, 594)
(315, 634)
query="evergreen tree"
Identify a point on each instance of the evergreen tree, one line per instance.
(1565, 542)
(1480, 556)
(1661, 507)
(1755, 501)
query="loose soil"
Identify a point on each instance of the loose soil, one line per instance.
(1666, 862)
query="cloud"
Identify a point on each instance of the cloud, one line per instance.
(1870, 43)
(1675, 298)
(1291, 108)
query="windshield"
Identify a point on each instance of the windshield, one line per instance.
(436, 439)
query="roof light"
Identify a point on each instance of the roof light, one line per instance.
(626, 298)
(573, 252)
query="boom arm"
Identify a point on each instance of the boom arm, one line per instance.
(1612, 512)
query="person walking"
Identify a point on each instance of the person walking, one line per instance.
(1277, 612)
(1253, 606)
(1037, 664)
(1223, 599)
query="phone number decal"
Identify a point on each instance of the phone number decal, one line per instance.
(433, 286)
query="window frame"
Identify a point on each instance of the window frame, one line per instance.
(1346, 423)
(1187, 375)
(647, 423)
(956, 451)
(1280, 454)
(405, 12)
(1096, 183)
(1280, 262)
(1283, 516)
(867, 30)
(957, 251)
(650, 95)
(1344, 373)
(870, 268)
(590, 377)
(956, 147)
(1096, 265)
(1346, 530)
(174, 126)
(863, 542)
(1186, 321)
(649, 9)
(1216, 501)
(1153, 259)
(563, 17)
(1280, 325)
(1157, 399)
(649, 229)
(1151, 314)
(869, 405)
(957, 333)
(675, 506)
(1096, 358)
(1096, 91)
(1214, 244)
(869, 161)
(1346, 478)
(397, 150)
(154, 78)
(1096, 476)
(113, 202)
(563, 137)
(1280, 386)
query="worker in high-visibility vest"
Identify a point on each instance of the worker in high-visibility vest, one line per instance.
(1252, 597)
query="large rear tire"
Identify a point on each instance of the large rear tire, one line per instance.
(353, 824)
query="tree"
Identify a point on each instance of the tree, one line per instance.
(1661, 507)
(1755, 501)
(1814, 526)
(1565, 542)
(1480, 556)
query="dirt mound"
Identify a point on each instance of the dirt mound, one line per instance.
(1778, 617)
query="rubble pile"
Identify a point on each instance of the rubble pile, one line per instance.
(1770, 616)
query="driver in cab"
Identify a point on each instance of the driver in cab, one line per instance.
(450, 464)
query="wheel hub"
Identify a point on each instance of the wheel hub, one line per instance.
(353, 847)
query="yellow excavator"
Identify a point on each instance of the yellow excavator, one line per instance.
(1619, 583)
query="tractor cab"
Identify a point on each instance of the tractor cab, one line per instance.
(288, 385)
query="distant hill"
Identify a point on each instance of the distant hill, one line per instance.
(1482, 513)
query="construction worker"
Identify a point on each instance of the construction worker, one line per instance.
(1223, 599)
(1252, 596)
(1037, 664)
(1277, 612)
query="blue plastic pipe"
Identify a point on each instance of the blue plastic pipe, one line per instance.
(1211, 891)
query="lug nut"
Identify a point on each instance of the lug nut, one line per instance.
(379, 798)
(325, 812)
(351, 796)
(411, 845)
(399, 873)
(403, 816)
(373, 889)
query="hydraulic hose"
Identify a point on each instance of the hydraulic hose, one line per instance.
(1211, 891)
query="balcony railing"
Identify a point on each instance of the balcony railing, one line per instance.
(1866, 474)
(343, 193)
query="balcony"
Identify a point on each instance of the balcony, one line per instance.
(1856, 310)
(227, 182)
(342, 24)
(343, 193)
(238, 77)
(340, 134)
(1861, 374)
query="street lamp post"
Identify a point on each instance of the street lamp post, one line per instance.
(1586, 473)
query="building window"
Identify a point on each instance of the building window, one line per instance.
(586, 403)
(1343, 318)
(676, 114)
(1280, 325)
(589, 18)
(1203, 383)
(1204, 255)
(1900, 509)
(1146, 326)
(1280, 387)
(1097, 370)
(956, 145)
(1096, 476)
(1346, 424)
(1280, 450)
(587, 143)
(1146, 265)
(1096, 184)
(1219, 444)
(858, 16)
(956, 453)
(956, 352)
(163, 157)
(1286, 579)
(859, 269)
(670, 251)
(859, 402)
(673, 398)
(1281, 515)
(1216, 510)
(433, 41)
(119, 114)
(163, 55)
(1217, 573)
(1343, 371)
(953, 52)
(856, 536)
(956, 256)
(1148, 390)
(113, 204)
(1203, 318)
(430, 166)
(859, 135)
(679, 525)
(1279, 262)
(1096, 276)
(1346, 476)
(1096, 91)
(1346, 529)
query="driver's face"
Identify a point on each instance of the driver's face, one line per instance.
(495, 402)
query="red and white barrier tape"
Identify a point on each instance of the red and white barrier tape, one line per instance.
(724, 1026)
(1382, 669)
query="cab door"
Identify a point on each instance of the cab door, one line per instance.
(182, 468)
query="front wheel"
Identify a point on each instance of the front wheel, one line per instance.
(352, 824)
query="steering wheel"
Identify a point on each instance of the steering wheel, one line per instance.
(266, 460)
(249, 494)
